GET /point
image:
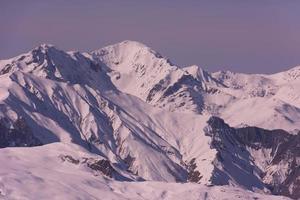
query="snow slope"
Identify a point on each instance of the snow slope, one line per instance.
(258, 98)
(44, 175)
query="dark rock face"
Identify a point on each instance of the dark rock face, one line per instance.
(70, 159)
(236, 149)
(184, 80)
(187, 89)
(291, 185)
(233, 161)
(95, 66)
(103, 166)
(285, 149)
(98, 166)
(193, 175)
(157, 87)
(259, 138)
(17, 135)
(129, 160)
(6, 69)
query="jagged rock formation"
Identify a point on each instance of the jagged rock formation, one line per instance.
(253, 156)
(16, 134)
(98, 166)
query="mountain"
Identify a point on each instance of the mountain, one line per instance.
(126, 113)
(138, 70)
(275, 96)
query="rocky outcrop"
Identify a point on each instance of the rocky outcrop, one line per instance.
(193, 174)
(16, 134)
(284, 151)
(101, 166)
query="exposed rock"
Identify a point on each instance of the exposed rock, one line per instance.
(16, 134)
(70, 159)
(103, 166)
(276, 149)
(193, 175)
(97, 165)
(6, 69)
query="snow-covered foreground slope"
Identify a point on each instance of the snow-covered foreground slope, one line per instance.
(135, 116)
(41, 173)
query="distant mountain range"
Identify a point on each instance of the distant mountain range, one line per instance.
(123, 120)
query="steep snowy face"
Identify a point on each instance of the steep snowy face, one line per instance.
(63, 98)
(140, 71)
(255, 158)
(135, 67)
(46, 61)
(232, 164)
(203, 77)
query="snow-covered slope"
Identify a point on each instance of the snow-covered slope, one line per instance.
(138, 70)
(126, 113)
(46, 174)
(259, 98)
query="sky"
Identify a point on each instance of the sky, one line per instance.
(253, 36)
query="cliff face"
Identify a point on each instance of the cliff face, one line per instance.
(16, 134)
(264, 158)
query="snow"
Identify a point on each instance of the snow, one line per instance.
(259, 97)
(39, 173)
(3, 93)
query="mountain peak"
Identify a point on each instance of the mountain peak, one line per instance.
(193, 69)
(201, 75)
(128, 48)
(44, 47)
(132, 43)
(126, 53)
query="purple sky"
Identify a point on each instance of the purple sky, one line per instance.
(255, 36)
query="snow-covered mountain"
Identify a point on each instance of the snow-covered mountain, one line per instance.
(126, 113)
(138, 70)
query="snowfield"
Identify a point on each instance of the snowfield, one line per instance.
(123, 122)
(40, 173)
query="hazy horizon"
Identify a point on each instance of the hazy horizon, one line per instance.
(250, 37)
